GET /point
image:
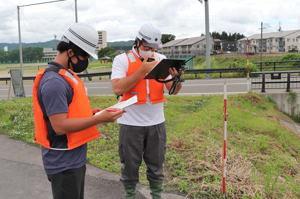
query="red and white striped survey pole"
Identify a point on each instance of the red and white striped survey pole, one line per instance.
(224, 139)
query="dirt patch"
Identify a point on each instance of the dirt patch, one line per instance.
(289, 124)
(254, 99)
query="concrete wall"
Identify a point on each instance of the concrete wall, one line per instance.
(282, 103)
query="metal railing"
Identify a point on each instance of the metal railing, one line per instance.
(275, 80)
(79, 75)
(278, 65)
(191, 71)
(215, 70)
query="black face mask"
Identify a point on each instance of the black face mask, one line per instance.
(80, 66)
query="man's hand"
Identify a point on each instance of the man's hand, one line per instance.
(173, 72)
(148, 66)
(63, 125)
(174, 89)
(109, 115)
(96, 110)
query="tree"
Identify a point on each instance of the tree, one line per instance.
(3, 56)
(107, 51)
(13, 56)
(228, 37)
(167, 37)
(31, 54)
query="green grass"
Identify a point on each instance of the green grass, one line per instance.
(263, 156)
(100, 64)
(239, 62)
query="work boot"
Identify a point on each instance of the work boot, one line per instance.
(156, 190)
(129, 191)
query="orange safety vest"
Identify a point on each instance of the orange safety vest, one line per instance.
(156, 89)
(78, 108)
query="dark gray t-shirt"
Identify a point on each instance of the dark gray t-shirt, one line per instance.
(55, 94)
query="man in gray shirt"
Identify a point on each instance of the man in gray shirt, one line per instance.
(64, 122)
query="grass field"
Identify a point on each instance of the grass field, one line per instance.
(263, 155)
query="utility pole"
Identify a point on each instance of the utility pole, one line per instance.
(207, 36)
(261, 39)
(19, 75)
(19, 28)
(76, 15)
(20, 41)
(76, 21)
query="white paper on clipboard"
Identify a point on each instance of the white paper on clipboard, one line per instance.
(123, 104)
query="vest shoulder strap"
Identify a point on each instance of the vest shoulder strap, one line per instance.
(52, 69)
(131, 56)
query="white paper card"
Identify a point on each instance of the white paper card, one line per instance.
(123, 104)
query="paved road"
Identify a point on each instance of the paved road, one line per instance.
(22, 176)
(190, 87)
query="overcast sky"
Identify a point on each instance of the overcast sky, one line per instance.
(122, 18)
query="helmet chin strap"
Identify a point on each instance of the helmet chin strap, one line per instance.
(138, 46)
(70, 62)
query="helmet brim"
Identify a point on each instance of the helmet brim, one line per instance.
(155, 46)
(152, 45)
(94, 55)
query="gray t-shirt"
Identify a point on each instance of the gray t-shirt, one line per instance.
(55, 94)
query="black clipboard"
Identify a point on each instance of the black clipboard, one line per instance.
(161, 70)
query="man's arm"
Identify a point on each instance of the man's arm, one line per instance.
(55, 94)
(123, 85)
(63, 125)
(173, 73)
(177, 89)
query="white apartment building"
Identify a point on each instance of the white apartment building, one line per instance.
(274, 42)
(102, 40)
(194, 46)
(49, 54)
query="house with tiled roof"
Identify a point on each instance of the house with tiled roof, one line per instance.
(194, 46)
(273, 42)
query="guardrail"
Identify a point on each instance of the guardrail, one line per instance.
(273, 65)
(215, 70)
(191, 71)
(283, 79)
(6, 79)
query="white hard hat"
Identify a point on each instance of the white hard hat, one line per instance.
(84, 36)
(151, 35)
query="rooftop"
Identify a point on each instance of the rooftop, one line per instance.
(184, 42)
(271, 35)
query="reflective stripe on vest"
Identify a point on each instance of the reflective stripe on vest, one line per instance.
(156, 89)
(78, 108)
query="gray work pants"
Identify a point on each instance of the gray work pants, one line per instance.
(142, 142)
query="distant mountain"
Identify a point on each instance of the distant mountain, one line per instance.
(121, 45)
(47, 44)
(118, 45)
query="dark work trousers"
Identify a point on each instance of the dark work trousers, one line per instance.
(68, 184)
(142, 142)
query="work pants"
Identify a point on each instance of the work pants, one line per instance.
(137, 143)
(68, 184)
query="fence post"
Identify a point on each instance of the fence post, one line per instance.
(17, 82)
(274, 66)
(288, 86)
(263, 86)
(261, 66)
